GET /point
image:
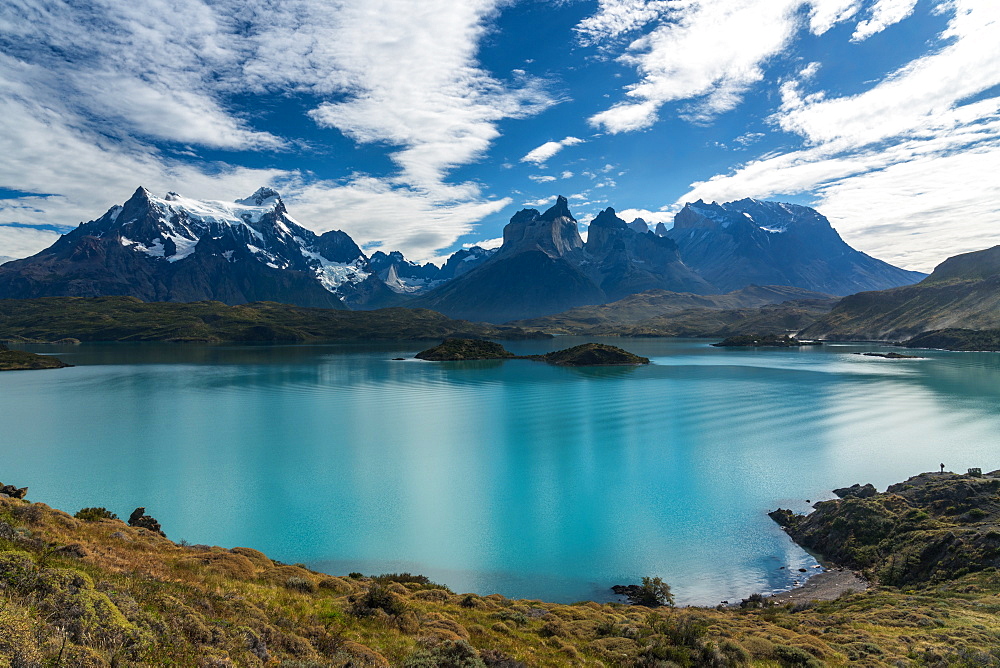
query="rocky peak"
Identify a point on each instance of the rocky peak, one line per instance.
(608, 218)
(559, 210)
(554, 232)
(261, 197)
(639, 225)
(661, 230)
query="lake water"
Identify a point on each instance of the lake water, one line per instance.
(512, 477)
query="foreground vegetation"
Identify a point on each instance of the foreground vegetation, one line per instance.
(50, 319)
(93, 591)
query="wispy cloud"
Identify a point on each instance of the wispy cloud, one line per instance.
(708, 54)
(541, 154)
(883, 14)
(107, 93)
(909, 156)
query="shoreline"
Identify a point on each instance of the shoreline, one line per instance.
(827, 585)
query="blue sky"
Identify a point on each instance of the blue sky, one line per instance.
(424, 125)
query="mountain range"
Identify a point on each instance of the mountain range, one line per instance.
(177, 249)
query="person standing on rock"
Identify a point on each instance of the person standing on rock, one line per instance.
(942, 467)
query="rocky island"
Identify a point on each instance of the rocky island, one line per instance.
(764, 341)
(20, 360)
(458, 350)
(587, 354)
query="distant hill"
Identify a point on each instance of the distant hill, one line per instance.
(130, 319)
(962, 292)
(774, 309)
(751, 241)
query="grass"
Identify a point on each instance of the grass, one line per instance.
(97, 592)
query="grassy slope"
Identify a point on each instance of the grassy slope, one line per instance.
(129, 319)
(963, 291)
(97, 593)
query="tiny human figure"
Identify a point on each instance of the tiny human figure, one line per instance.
(942, 468)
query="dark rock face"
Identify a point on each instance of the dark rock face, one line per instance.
(750, 241)
(140, 519)
(456, 350)
(623, 261)
(13, 492)
(177, 249)
(856, 490)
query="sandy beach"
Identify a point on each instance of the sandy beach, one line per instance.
(825, 586)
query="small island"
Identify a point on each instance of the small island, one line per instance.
(764, 341)
(459, 350)
(20, 360)
(587, 354)
(591, 354)
(891, 356)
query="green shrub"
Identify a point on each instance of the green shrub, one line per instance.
(301, 584)
(448, 654)
(378, 597)
(95, 514)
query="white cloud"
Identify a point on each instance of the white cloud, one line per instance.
(538, 203)
(883, 14)
(903, 167)
(705, 51)
(541, 178)
(486, 243)
(566, 175)
(542, 153)
(824, 14)
(651, 217)
(708, 53)
(90, 92)
(18, 242)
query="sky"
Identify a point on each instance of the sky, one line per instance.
(423, 125)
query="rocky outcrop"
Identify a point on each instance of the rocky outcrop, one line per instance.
(931, 528)
(762, 341)
(141, 520)
(13, 492)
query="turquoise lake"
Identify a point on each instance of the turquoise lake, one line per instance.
(511, 477)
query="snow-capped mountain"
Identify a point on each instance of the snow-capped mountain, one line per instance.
(751, 241)
(175, 248)
(409, 278)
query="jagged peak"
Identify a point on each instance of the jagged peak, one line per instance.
(260, 197)
(559, 210)
(608, 218)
